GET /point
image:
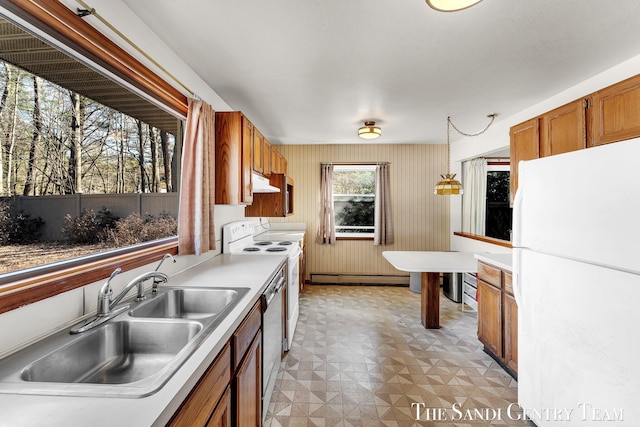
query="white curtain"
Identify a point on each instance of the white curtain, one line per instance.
(474, 198)
(196, 232)
(383, 227)
(327, 228)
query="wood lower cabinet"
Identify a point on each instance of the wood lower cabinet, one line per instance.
(234, 145)
(221, 417)
(248, 387)
(205, 399)
(247, 377)
(498, 316)
(490, 317)
(614, 112)
(564, 129)
(510, 309)
(230, 391)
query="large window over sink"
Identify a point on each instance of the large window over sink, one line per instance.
(86, 125)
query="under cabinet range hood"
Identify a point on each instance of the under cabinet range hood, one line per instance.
(261, 185)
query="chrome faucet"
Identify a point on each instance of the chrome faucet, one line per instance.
(104, 307)
(154, 286)
(157, 277)
(106, 304)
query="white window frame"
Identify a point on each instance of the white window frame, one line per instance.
(354, 168)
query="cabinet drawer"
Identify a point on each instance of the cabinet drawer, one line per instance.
(243, 336)
(489, 274)
(199, 405)
(507, 281)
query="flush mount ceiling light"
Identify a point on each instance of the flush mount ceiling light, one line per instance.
(449, 185)
(369, 131)
(451, 5)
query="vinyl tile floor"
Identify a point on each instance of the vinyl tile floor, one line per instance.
(360, 357)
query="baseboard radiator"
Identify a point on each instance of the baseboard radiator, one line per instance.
(358, 279)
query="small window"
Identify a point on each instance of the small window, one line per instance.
(499, 213)
(354, 200)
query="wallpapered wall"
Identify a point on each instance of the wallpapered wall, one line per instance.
(420, 219)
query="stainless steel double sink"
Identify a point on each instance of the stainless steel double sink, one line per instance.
(132, 355)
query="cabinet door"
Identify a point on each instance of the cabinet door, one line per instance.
(197, 408)
(615, 112)
(490, 317)
(234, 134)
(511, 332)
(247, 167)
(564, 129)
(266, 157)
(248, 387)
(525, 143)
(221, 416)
(258, 141)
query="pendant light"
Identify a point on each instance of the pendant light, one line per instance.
(449, 185)
(451, 5)
(369, 130)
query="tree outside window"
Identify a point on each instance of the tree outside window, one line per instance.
(354, 200)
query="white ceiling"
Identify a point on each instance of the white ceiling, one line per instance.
(311, 72)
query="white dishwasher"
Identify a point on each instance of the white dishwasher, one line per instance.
(272, 334)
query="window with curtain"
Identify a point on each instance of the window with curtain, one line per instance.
(354, 200)
(105, 134)
(356, 203)
(485, 202)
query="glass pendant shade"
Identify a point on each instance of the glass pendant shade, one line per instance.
(451, 5)
(449, 185)
(369, 131)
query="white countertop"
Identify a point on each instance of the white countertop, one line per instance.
(281, 232)
(432, 262)
(502, 261)
(252, 271)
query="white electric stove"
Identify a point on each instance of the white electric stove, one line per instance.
(238, 239)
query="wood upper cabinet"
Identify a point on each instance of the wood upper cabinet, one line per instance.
(564, 129)
(234, 141)
(615, 112)
(490, 317)
(525, 145)
(273, 204)
(266, 157)
(258, 141)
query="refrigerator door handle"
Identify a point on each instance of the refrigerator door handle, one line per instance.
(517, 283)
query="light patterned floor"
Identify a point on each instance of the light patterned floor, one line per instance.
(360, 357)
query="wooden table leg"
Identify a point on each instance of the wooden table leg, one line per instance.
(430, 300)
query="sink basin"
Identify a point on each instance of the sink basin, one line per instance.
(189, 303)
(117, 353)
(132, 355)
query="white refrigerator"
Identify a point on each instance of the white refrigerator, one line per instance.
(576, 261)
